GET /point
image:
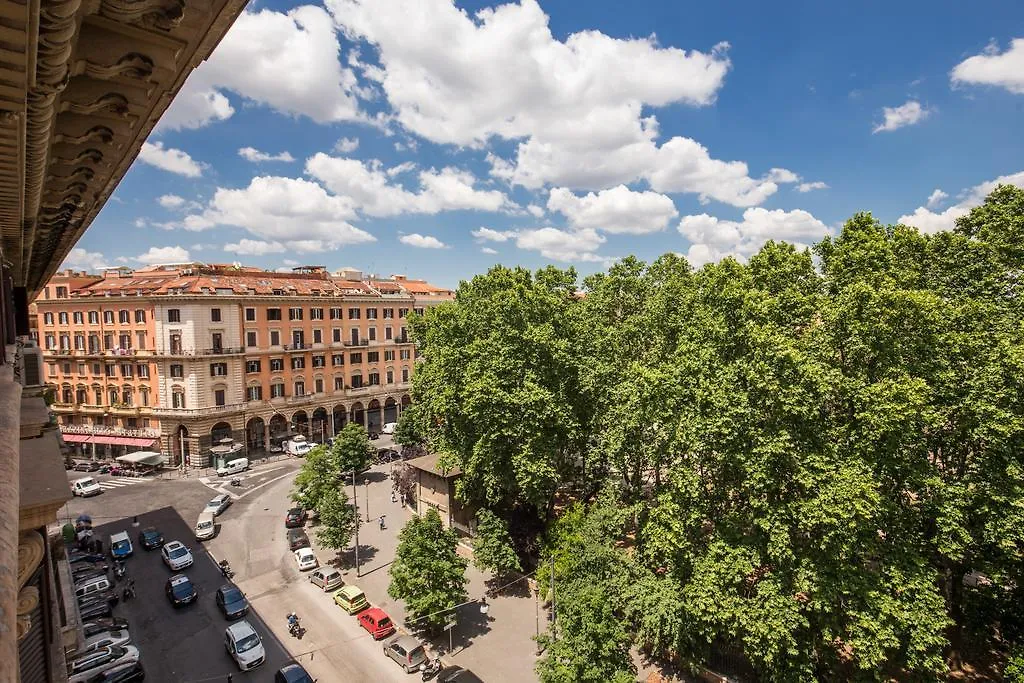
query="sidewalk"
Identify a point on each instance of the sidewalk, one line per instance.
(498, 646)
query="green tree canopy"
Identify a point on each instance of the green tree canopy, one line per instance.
(337, 520)
(492, 546)
(428, 574)
(351, 448)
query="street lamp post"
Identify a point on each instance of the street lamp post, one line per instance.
(366, 494)
(356, 506)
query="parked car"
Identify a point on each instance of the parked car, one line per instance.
(206, 527)
(373, 435)
(86, 466)
(150, 538)
(79, 556)
(389, 427)
(121, 546)
(295, 518)
(131, 672)
(97, 607)
(351, 599)
(406, 651)
(218, 504)
(91, 628)
(377, 623)
(305, 558)
(81, 573)
(106, 639)
(244, 645)
(92, 584)
(276, 448)
(292, 673)
(85, 487)
(297, 538)
(85, 667)
(456, 674)
(176, 555)
(180, 590)
(327, 578)
(232, 602)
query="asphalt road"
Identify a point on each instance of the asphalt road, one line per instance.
(187, 645)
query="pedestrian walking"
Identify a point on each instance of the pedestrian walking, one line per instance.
(394, 498)
(382, 522)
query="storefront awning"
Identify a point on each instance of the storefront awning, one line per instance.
(76, 438)
(122, 441)
(142, 458)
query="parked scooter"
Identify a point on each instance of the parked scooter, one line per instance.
(225, 569)
(236, 482)
(294, 627)
(119, 570)
(428, 671)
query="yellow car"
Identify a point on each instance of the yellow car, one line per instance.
(351, 599)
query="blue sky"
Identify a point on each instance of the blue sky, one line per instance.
(435, 139)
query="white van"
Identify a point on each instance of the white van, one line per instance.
(389, 427)
(85, 487)
(233, 467)
(205, 526)
(298, 446)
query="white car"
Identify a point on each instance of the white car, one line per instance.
(176, 555)
(244, 645)
(106, 639)
(87, 666)
(305, 558)
(389, 428)
(218, 504)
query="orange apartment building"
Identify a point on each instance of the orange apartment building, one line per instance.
(177, 358)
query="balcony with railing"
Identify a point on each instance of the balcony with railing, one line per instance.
(102, 430)
(361, 342)
(180, 351)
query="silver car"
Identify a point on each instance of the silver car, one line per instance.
(218, 504)
(407, 652)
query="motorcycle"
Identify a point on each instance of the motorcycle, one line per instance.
(428, 671)
(225, 569)
(294, 628)
(119, 570)
(236, 482)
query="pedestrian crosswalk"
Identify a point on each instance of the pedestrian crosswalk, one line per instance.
(119, 483)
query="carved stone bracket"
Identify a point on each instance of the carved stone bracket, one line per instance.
(132, 65)
(100, 133)
(113, 102)
(31, 548)
(161, 14)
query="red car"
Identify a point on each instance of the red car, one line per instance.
(377, 623)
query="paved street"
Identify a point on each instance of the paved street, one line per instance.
(187, 645)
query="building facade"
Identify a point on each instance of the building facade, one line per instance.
(177, 359)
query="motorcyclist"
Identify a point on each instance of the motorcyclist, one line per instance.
(293, 623)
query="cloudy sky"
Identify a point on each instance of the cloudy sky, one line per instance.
(435, 138)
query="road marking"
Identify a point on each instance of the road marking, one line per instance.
(119, 483)
(259, 486)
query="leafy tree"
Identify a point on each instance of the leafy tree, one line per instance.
(337, 520)
(351, 449)
(410, 432)
(317, 477)
(428, 573)
(492, 546)
(499, 386)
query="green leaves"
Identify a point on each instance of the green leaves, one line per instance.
(336, 520)
(428, 573)
(351, 449)
(492, 546)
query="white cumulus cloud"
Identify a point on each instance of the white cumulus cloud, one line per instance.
(928, 221)
(169, 159)
(488, 250)
(566, 246)
(535, 210)
(158, 255)
(297, 213)
(372, 191)
(617, 210)
(288, 61)
(346, 145)
(904, 115)
(171, 201)
(247, 247)
(82, 259)
(809, 187)
(936, 198)
(422, 241)
(712, 239)
(579, 108)
(483, 234)
(1003, 70)
(255, 155)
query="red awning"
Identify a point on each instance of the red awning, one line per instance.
(76, 438)
(123, 441)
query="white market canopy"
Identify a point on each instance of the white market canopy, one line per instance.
(142, 458)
